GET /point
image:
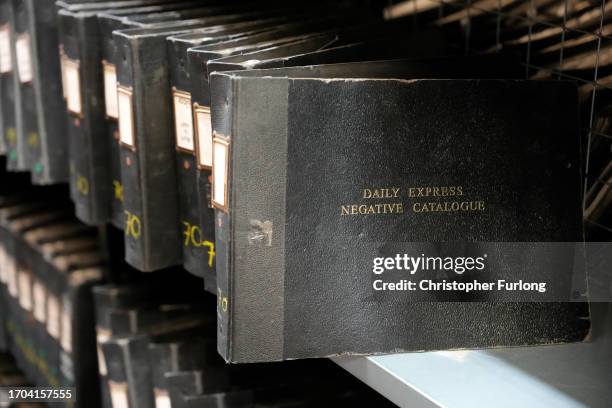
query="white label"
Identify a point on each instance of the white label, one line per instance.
(119, 394)
(126, 116)
(102, 335)
(162, 399)
(72, 83)
(110, 90)
(3, 267)
(40, 301)
(204, 136)
(220, 163)
(183, 120)
(11, 275)
(66, 328)
(10, 267)
(25, 290)
(63, 70)
(24, 58)
(53, 316)
(6, 56)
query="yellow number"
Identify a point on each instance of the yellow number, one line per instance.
(33, 139)
(118, 188)
(82, 185)
(11, 136)
(133, 226)
(223, 300)
(193, 237)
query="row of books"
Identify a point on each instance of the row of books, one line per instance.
(157, 348)
(48, 263)
(147, 342)
(253, 146)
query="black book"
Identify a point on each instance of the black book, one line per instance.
(28, 138)
(182, 383)
(107, 24)
(84, 88)
(258, 51)
(127, 361)
(11, 95)
(47, 151)
(186, 352)
(197, 236)
(152, 237)
(379, 187)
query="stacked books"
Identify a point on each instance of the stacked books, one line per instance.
(155, 350)
(49, 262)
(293, 156)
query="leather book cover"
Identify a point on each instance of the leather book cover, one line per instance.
(197, 236)
(368, 191)
(28, 138)
(148, 169)
(108, 24)
(185, 353)
(81, 54)
(49, 165)
(135, 377)
(10, 97)
(193, 160)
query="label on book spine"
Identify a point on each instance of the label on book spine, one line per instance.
(110, 90)
(6, 57)
(162, 398)
(53, 316)
(204, 137)
(66, 327)
(11, 275)
(220, 172)
(40, 301)
(63, 58)
(24, 58)
(119, 394)
(25, 290)
(183, 120)
(126, 116)
(102, 335)
(72, 83)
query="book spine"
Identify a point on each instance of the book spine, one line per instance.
(250, 126)
(195, 246)
(148, 160)
(222, 117)
(90, 178)
(109, 74)
(28, 138)
(7, 86)
(52, 166)
(200, 93)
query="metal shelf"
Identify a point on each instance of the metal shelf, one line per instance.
(560, 376)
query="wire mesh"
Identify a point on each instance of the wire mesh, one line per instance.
(555, 39)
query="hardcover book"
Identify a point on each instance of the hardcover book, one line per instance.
(10, 95)
(198, 235)
(353, 180)
(47, 147)
(28, 138)
(271, 50)
(148, 174)
(85, 86)
(108, 24)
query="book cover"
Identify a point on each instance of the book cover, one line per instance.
(306, 204)
(10, 92)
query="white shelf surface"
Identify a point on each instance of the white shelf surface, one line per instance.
(560, 376)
